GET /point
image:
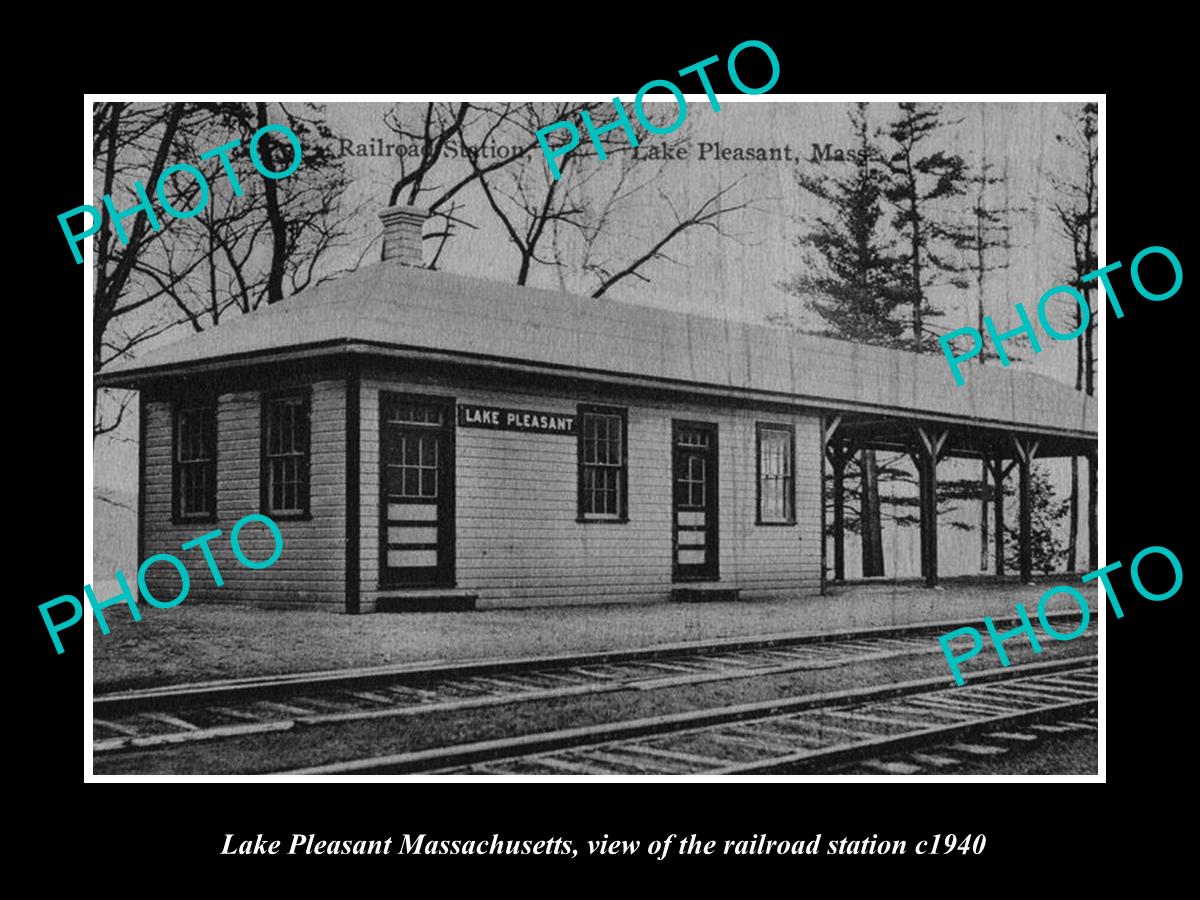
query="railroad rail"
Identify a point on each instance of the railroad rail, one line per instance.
(163, 717)
(814, 733)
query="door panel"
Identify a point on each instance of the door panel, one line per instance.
(696, 551)
(416, 440)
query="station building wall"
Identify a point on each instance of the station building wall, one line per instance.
(517, 537)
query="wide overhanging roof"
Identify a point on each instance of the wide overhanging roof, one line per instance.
(389, 307)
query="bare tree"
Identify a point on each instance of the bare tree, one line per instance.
(445, 133)
(708, 214)
(150, 133)
(527, 201)
(457, 148)
(263, 245)
(592, 201)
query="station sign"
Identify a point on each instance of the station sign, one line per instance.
(503, 419)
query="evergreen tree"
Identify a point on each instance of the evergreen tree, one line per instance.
(1047, 513)
(853, 285)
(1076, 206)
(856, 289)
(985, 240)
(920, 179)
(923, 186)
(867, 287)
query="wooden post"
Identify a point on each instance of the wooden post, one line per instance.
(929, 450)
(1026, 513)
(918, 462)
(931, 569)
(998, 510)
(1026, 451)
(870, 525)
(983, 512)
(838, 462)
(1093, 511)
(824, 510)
(835, 452)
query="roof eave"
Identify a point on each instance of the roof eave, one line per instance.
(133, 379)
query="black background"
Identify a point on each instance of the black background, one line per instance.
(1149, 401)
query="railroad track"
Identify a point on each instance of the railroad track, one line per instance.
(890, 729)
(164, 717)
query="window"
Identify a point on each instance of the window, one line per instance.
(285, 454)
(195, 457)
(691, 474)
(776, 475)
(412, 449)
(603, 474)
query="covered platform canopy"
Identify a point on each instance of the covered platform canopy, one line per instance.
(928, 442)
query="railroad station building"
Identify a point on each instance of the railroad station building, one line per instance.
(427, 440)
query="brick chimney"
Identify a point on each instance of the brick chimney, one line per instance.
(402, 234)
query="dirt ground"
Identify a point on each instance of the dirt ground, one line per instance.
(1077, 755)
(200, 642)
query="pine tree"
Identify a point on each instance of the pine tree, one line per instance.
(1076, 208)
(985, 240)
(855, 291)
(1047, 513)
(919, 180)
(922, 185)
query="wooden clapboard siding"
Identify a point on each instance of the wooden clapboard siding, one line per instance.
(369, 486)
(518, 541)
(311, 568)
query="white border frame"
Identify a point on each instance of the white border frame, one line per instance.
(88, 462)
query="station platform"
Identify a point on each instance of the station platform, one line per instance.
(201, 642)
